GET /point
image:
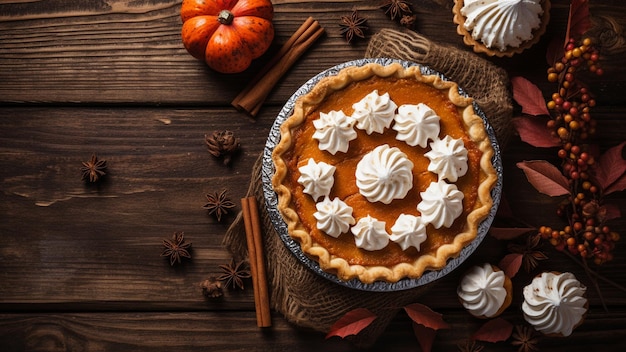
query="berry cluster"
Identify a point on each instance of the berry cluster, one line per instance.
(571, 121)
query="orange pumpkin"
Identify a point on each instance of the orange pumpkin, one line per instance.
(227, 34)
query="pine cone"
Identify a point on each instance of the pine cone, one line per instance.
(222, 144)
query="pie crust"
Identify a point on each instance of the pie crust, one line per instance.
(340, 256)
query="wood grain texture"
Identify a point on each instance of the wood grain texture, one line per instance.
(80, 265)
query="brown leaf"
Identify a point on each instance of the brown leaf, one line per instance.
(425, 336)
(545, 177)
(423, 315)
(529, 97)
(511, 263)
(494, 330)
(610, 170)
(533, 130)
(509, 233)
(352, 323)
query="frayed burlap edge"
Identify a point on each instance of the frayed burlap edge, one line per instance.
(305, 298)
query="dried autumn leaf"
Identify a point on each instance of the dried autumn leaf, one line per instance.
(545, 177)
(528, 96)
(611, 211)
(610, 170)
(578, 21)
(425, 336)
(509, 233)
(423, 315)
(352, 323)
(494, 330)
(533, 131)
(511, 263)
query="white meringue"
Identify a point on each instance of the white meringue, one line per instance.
(441, 204)
(334, 131)
(416, 124)
(448, 158)
(482, 291)
(554, 303)
(384, 174)
(317, 178)
(370, 234)
(333, 217)
(374, 112)
(408, 231)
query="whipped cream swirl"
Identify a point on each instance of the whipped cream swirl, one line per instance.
(448, 158)
(317, 178)
(384, 174)
(554, 303)
(482, 291)
(502, 23)
(370, 234)
(334, 131)
(416, 124)
(408, 231)
(334, 217)
(441, 204)
(374, 112)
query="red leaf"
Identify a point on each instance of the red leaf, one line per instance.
(545, 177)
(423, 315)
(494, 330)
(610, 170)
(555, 51)
(578, 21)
(611, 212)
(528, 96)
(533, 131)
(425, 336)
(511, 263)
(509, 233)
(352, 323)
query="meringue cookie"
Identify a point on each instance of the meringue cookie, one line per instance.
(554, 304)
(485, 291)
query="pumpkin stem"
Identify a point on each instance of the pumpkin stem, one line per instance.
(225, 17)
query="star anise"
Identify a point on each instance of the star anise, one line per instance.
(530, 254)
(353, 25)
(526, 338)
(222, 144)
(234, 273)
(93, 169)
(176, 248)
(396, 9)
(470, 346)
(218, 204)
(408, 21)
(212, 287)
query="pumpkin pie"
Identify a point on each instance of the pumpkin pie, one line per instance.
(383, 173)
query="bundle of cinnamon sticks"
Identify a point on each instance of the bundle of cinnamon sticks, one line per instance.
(252, 224)
(252, 97)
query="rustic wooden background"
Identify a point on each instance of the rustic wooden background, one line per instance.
(80, 265)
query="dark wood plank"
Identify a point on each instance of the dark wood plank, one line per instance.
(236, 331)
(131, 52)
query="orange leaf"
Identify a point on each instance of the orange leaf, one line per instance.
(533, 131)
(511, 263)
(529, 97)
(423, 315)
(352, 323)
(425, 336)
(494, 330)
(545, 177)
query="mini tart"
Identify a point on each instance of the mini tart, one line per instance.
(479, 47)
(340, 256)
(508, 287)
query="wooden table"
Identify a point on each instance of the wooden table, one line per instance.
(80, 265)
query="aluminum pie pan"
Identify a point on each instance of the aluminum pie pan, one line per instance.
(271, 198)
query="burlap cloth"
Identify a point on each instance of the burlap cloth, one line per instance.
(311, 301)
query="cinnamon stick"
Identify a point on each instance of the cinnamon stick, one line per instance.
(253, 96)
(252, 224)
